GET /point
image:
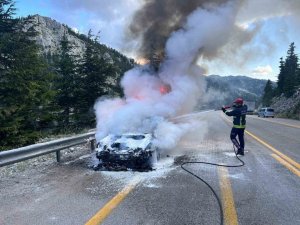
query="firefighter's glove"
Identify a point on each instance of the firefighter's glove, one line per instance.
(223, 109)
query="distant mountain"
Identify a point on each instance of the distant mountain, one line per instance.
(222, 90)
(51, 32)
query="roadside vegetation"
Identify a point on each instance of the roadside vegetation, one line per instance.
(45, 95)
(285, 97)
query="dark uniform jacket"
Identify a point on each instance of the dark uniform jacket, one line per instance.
(239, 116)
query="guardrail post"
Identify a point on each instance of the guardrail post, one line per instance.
(57, 156)
(92, 144)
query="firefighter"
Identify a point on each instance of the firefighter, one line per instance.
(238, 112)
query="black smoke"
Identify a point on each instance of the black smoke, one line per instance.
(157, 19)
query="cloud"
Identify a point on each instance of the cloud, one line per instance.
(257, 10)
(109, 17)
(262, 70)
(106, 10)
(264, 29)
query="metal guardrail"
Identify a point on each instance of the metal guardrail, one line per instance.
(32, 151)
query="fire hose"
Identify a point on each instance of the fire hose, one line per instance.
(207, 184)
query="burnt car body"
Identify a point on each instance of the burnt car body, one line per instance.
(126, 151)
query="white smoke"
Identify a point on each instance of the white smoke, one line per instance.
(144, 108)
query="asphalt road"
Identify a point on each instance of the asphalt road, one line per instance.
(264, 191)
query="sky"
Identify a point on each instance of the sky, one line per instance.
(263, 33)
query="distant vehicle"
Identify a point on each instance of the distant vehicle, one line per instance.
(127, 151)
(266, 112)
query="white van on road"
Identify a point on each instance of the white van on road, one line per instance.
(266, 112)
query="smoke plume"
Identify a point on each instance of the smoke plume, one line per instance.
(204, 28)
(156, 20)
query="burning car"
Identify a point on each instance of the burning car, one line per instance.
(127, 151)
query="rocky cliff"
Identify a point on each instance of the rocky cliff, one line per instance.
(50, 33)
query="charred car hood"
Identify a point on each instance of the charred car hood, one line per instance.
(123, 143)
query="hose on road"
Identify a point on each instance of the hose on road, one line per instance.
(209, 186)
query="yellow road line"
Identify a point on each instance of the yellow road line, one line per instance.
(281, 123)
(285, 157)
(286, 164)
(230, 215)
(99, 217)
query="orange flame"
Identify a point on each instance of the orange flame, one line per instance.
(165, 89)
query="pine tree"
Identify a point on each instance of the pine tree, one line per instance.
(7, 11)
(288, 77)
(291, 67)
(25, 83)
(268, 94)
(67, 80)
(281, 77)
(94, 71)
(7, 25)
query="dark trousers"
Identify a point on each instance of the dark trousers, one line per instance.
(240, 133)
